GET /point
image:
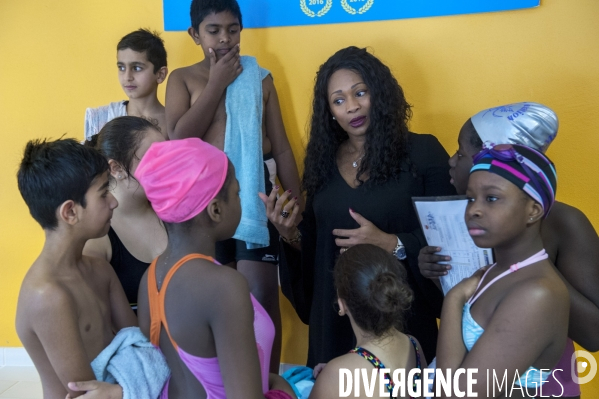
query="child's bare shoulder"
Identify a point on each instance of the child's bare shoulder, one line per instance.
(268, 86)
(205, 280)
(41, 294)
(566, 218)
(348, 360)
(544, 287)
(192, 74)
(99, 267)
(327, 380)
(213, 276)
(186, 84)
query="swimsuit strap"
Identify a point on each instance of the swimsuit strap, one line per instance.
(156, 297)
(376, 362)
(539, 256)
(481, 280)
(415, 344)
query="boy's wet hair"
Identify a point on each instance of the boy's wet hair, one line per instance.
(200, 9)
(53, 172)
(145, 41)
(372, 282)
(120, 139)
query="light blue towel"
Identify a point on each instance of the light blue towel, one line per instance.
(134, 363)
(243, 146)
(301, 380)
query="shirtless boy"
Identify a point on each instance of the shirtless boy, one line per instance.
(195, 98)
(70, 305)
(141, 62)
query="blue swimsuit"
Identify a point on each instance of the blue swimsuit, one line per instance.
(471, 330)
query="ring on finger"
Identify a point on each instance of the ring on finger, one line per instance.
(284, 214)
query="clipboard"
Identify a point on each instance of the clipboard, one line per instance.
(442, 222)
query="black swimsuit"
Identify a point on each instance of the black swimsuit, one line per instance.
(128, 268)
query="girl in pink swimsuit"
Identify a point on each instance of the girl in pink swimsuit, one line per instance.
(215, 336)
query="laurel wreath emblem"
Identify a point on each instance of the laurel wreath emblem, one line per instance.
(312, 14)
(353, 11)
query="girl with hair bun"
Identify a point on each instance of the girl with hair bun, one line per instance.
(373, 293)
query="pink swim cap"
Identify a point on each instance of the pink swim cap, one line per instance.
(180, 177)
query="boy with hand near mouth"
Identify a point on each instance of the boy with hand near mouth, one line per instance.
(141, 62)
(230, 102)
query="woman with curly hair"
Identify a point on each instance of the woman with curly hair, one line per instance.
(362, 168)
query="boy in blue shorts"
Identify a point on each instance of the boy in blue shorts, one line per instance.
(141, 61)
(230, 102)
(69, 305)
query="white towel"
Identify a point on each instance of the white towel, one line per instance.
(96, 118)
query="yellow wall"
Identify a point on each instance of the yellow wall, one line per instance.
(57, 58)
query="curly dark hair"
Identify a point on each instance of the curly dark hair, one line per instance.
(385, 150)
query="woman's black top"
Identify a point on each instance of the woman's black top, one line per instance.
(307, 277)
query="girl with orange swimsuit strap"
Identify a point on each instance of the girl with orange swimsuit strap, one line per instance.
(215, 336)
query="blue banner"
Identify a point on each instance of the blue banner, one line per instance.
(267, 13)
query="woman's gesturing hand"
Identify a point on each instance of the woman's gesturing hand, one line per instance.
(367, 233)
(282, 215)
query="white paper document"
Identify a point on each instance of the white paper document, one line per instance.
(442, 221)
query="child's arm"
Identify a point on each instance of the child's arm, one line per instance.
(327, 383)
(278, 383)
(120, 310)
(185, 120)
(525, 324)
(451, 350)
(232, 324)
(53, 318)
(281, 150)
(96, 390)
(578, 263)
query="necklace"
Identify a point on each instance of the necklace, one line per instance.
(355, 163)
